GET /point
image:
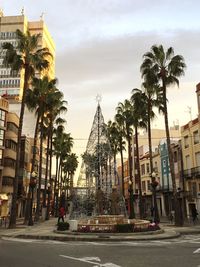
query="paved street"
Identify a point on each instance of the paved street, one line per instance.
(183, 252)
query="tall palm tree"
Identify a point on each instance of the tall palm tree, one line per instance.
(121, 148)
(166, 68)
(29, 58)
(57, 133)
(39, 98)
(139, 121)
(152, 99)
(125, 116)
(69, 167)
(112, 135)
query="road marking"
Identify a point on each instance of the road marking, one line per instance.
(196, 251)
(18, 239)
(90, 260)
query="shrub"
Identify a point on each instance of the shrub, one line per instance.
(153, 227)
(63, 226)
(124, 228)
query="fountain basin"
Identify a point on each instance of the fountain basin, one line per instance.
(107, 223)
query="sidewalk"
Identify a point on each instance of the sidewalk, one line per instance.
(47, 230)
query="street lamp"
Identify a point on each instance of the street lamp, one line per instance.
(56, 201)
(179, 207)
(154, 184)
(48, 200)
(32, 185)
(131, 215)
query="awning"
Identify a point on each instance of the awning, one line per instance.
(3, 197)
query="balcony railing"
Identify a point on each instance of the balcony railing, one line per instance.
(192, 173)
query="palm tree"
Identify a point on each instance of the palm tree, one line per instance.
(40, 98)
(125, 116)
(139, 121)
(166, 68)
(152, 99)
(112, 135)
(69, 167)
(63, 144)
(28, 58)
(57, 133)
(121, 147)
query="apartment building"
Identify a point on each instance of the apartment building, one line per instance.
(190, 136)
(11, 83)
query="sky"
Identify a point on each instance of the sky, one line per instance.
(100, 47)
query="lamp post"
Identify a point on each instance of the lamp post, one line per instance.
(48, 200)
(132, 214)
(32, 186)
(179, 210)
(154, 184)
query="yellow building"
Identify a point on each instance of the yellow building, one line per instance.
(9, 123)
(190, 137)
(11, 84)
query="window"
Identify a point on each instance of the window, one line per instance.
(164, 163)
(175, 156)
(12, 127)
(186, 141)
(187, 161)
(143, 186)
(143, 169)
(8, 162)
(11, 144)
(197, 159)
(196, 137)
(148, 185)
(7, 181)
(1, 137)
(2, 117)
(194, 189)
(148, 169)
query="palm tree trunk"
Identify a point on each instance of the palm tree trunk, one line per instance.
(27, 214)
(115, 171)
(149, 135)
(13, 212)
(171, 161)
(122, 165)
(138, 175)
(37, 215)
(55, 197)
(50, 167)
(46, 171)
(131, 199)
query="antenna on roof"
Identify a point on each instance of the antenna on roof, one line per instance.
(42, 16)
(189, 111)
(22, 11)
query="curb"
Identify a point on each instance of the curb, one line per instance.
(149, 233)
(97, 238)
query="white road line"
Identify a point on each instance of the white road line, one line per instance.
(96, 264)
(18, 240)
(196, 251)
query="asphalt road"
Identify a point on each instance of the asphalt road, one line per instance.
(183, 252)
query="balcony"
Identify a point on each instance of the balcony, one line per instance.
(164, 188)
(192, 173)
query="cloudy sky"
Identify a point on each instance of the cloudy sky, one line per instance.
(99, 49)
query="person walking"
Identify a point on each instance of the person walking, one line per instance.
(61, 214)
